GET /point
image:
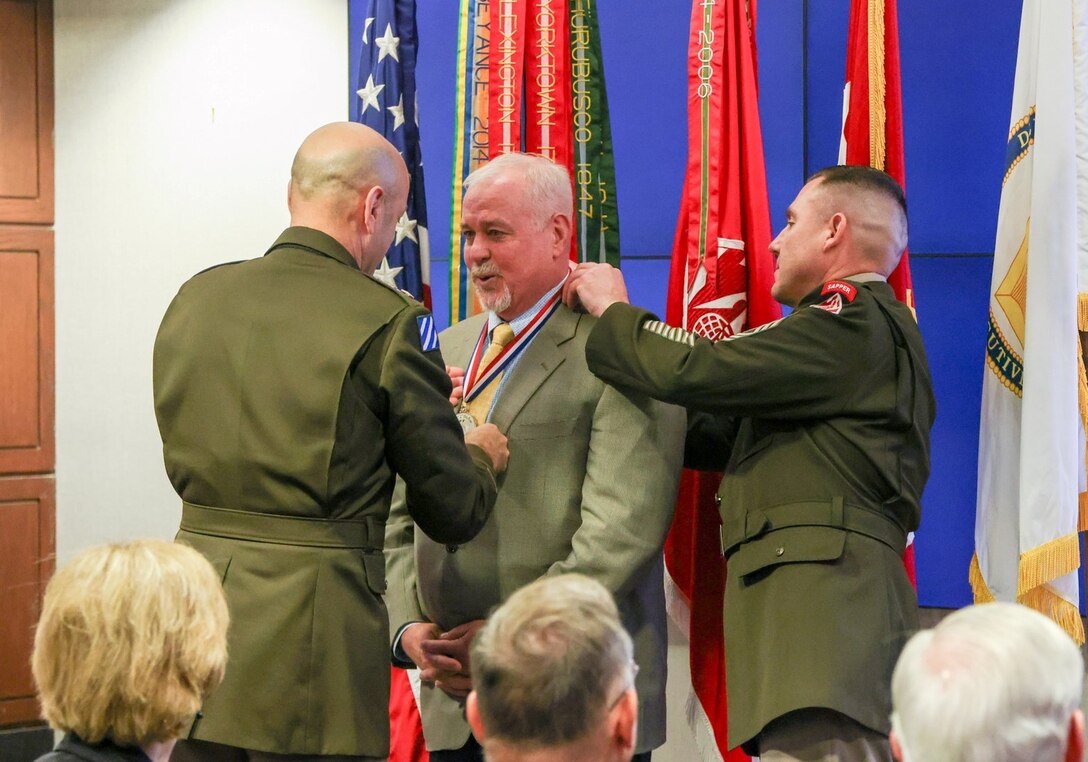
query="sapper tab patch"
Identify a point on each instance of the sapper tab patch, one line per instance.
(847, 290)
(428, 337)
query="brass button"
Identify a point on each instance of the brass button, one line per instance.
(779, 551)
(717, 500)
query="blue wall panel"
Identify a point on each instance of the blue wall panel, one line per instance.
(825, 66)
(780, 35)
(645, 56)
(957, 60)
(952, 308)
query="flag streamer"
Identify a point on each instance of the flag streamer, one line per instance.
(878, 113)
(596, 214)
(531, 78)
(471, 136)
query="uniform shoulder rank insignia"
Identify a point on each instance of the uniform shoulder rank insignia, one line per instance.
(847, 290)
(428, 336)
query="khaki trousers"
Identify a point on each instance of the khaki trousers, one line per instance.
(821, 735)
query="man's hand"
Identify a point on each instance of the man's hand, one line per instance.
(450, 656)
(414, 640)
(593, 287)
(414, 636)
(493, 442)
(457, 686)
(457, 376)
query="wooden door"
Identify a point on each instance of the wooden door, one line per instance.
(27, 452)
(26, 99)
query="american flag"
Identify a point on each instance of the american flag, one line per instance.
(386, 101)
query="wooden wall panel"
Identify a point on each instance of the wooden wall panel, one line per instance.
(27, 441)
(26, 130)
(27, 529)
(26, 350)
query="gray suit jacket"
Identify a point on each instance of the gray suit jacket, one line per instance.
(589, 488)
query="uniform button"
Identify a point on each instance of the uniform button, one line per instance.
(779, 551)
(452, 548)
(718, 500)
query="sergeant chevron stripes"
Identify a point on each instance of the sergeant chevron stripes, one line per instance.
(680, 336)
(833, 305)
(670, 332)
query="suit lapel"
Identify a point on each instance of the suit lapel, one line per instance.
(459, 340)
(540, 360)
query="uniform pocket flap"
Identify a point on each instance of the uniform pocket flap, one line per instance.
(374, 565)
(788, 546)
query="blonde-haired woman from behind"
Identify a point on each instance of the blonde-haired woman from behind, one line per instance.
(132, 638)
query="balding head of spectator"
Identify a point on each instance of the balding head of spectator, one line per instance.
(554, 677)
(996, 682)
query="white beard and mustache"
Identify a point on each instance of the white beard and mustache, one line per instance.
(491, 300)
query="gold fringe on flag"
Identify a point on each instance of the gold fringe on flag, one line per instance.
(1042, 598)
(1082, 389)
(979, 587)
(877, 86)
(1049, 561)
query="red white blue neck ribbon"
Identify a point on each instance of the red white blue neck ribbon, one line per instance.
(477, 378)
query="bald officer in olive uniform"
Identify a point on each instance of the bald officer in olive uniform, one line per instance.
(290, 390)
(821, 422)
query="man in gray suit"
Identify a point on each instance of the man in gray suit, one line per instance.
(592, 475)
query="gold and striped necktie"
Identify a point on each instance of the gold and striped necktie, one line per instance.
(501, 335)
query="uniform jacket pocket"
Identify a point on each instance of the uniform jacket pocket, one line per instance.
(790, 545)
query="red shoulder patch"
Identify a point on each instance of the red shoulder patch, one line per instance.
(832, 304)
(847, 290)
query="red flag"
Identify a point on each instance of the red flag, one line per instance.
(872, 127)
(872, 130)
(719, 285)
(405, 725)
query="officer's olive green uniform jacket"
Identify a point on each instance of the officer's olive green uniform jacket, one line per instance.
(590, 489)
(821, 422)
(289, 391)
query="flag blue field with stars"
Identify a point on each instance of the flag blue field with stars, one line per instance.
(386, 101)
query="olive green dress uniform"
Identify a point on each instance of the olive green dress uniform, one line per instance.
(821, 422)
(290, 390)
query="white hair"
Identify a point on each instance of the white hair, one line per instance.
(547, 184)
(996, 682)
